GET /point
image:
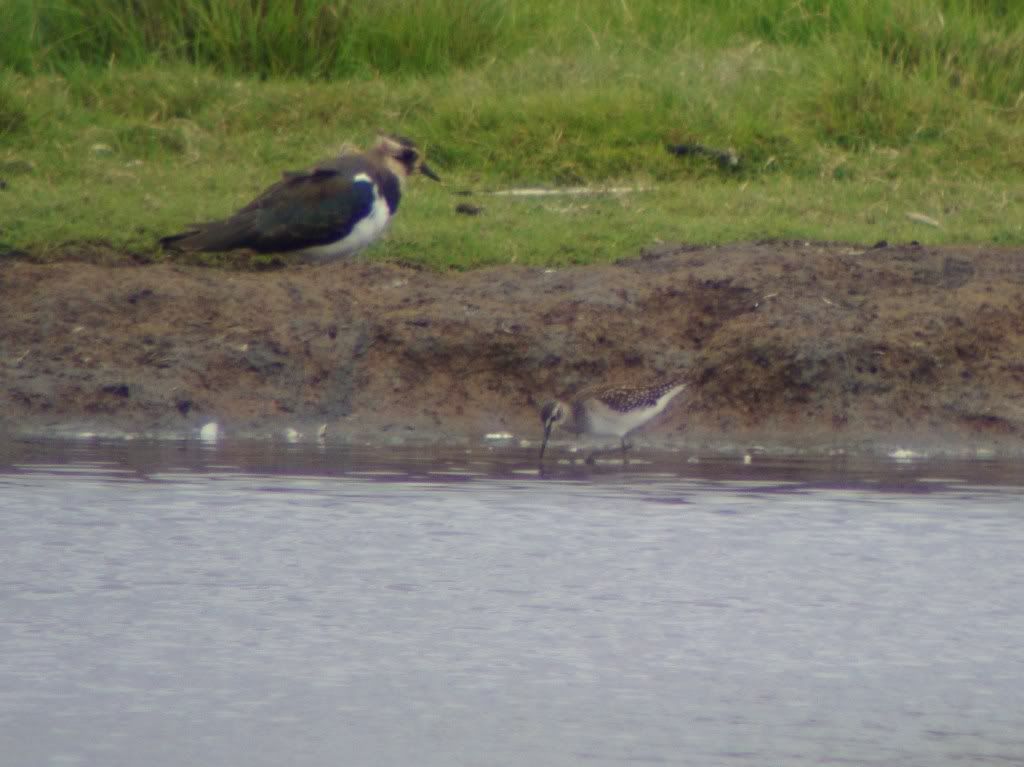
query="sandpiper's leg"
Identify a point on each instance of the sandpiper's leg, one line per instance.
(591, 459)
(625, 446)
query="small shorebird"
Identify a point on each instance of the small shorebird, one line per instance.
(334, 209)
(608, 411)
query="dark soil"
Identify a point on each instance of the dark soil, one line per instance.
(813, 346)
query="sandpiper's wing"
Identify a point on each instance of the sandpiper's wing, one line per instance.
(623, 398)
(301, 210)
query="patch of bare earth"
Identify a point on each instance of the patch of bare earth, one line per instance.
(814, 346)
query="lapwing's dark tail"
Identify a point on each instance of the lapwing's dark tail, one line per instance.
(173, 242)
(215, 236)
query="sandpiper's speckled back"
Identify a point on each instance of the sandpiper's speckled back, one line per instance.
(623, 399)
(610, 410)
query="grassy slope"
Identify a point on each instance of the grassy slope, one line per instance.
(846, 116)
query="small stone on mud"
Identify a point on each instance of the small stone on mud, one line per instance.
(210, 432)
(903, 454)
(498, 436)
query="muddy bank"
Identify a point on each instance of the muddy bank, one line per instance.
(790, 345)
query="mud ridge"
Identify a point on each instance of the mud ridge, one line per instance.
(790, 345)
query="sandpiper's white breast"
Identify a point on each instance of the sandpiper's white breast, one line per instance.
(366, 230)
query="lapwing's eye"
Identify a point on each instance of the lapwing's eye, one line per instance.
(408, 157)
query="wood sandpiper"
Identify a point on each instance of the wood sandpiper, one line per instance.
(608, 411)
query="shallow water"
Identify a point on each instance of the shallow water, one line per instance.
(259, 605)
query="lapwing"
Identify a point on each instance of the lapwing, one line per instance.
(608, 411)
(334, 209)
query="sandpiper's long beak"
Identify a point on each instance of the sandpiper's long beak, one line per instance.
(426, 171)
(544, 444)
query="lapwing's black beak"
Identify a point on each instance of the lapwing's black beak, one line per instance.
(544, 444)
(426, 171)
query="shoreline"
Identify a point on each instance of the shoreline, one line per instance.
(794, 348)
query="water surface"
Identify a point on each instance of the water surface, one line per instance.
(257, 605)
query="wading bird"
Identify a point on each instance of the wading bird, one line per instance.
(608, 411)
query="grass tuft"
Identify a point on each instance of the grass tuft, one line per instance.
(13, 107)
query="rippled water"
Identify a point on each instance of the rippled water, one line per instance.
(165, 605)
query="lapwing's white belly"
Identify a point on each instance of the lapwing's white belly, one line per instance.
(365, 231)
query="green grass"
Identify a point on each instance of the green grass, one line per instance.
(121, 126)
